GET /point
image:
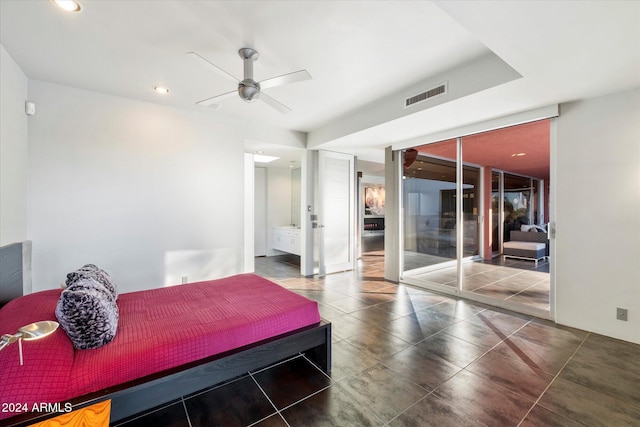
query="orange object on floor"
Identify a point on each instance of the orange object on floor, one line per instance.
(96, 415)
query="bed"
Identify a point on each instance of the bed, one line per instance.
(170, 342)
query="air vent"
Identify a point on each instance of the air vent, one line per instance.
(428, 94)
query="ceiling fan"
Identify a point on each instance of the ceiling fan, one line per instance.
(249, 89)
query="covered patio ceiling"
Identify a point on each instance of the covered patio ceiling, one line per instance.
(522, 149)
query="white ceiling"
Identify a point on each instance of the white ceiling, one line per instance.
(358, 53)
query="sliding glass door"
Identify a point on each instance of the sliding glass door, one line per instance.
(461, 200)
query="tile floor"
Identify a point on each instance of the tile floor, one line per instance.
(407, 357)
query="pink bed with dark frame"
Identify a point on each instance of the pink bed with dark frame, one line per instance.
(170, 341)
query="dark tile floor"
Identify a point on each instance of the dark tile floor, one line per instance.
(407, 357)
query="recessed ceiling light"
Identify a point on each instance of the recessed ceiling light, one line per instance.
(260, 152)
(68, 5)
(161, 89)
(264, 159)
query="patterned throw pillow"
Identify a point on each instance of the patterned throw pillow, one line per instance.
(91, 271)
(88, 313)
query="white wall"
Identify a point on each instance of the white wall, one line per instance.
(147, 192)
(14, 151)
(260, 206)
(249, 214)
(278, 202)
(598, 214)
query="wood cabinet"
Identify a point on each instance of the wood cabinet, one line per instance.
(286, 239)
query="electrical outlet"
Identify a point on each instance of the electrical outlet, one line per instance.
(185, 279)
(621, 314)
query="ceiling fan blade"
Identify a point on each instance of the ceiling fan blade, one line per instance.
(296, 76)
(210, 65)
(211, 102)
(275, 104)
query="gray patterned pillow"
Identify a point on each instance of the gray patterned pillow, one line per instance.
(91, 271)
(88, 313)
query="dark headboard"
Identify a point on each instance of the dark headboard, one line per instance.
(15, 271)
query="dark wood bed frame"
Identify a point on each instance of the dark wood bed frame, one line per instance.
(151, 391)
(133, 397)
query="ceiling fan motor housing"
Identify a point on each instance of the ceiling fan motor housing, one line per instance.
(249, 90)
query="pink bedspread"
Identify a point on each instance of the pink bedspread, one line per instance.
(158, 329)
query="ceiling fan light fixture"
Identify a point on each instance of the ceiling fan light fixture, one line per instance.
(68, 5)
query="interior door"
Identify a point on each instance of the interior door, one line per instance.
(336, 192)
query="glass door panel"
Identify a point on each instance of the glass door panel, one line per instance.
(495, 212)
(470, 210)
(429, 221)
